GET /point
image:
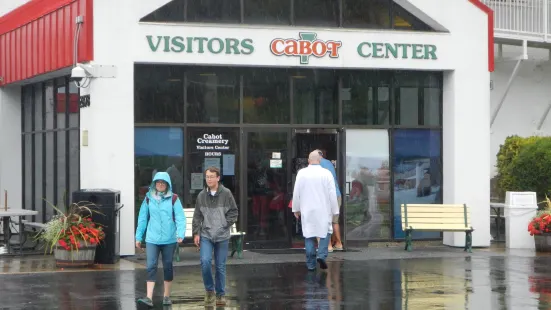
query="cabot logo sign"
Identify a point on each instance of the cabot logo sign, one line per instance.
(308, 45)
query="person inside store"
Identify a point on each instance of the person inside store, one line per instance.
(335, 243)
(162, 215)
(215, 213)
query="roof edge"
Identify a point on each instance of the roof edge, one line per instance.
(411, 8)
(484, 8)
(28, 12)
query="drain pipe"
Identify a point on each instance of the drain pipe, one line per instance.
(524, 56)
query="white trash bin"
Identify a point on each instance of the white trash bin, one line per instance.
(520, 208)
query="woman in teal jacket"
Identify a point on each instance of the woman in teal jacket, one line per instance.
(163, 216)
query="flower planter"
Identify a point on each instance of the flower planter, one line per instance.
(82, 258)
(543, 242)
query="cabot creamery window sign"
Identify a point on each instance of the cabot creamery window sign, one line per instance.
(303, 47)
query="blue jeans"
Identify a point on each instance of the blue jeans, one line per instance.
(310, 245)
(152, 252)
(220, 255)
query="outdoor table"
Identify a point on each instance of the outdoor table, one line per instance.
(6, 216)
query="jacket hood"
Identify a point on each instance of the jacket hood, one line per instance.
(163, 176)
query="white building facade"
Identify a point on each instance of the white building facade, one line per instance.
(400, 100)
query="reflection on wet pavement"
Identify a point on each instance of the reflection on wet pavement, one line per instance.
(420, 283)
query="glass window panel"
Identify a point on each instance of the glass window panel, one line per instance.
(49, 177)
(38, 177)
(28, 167)
(38, 123)
(159, 94)
(404, 20)
(417, 169)
(74, 97)
(432, 99)
(212, 95)
(266, 96)
(49, 105)
(28, 107)
(317, 13)
(367, 190)
(214, 11)
(74, 161)
(213, 147)
(273, 12)
(61, 104)
(155, 150)
(366, 98)
(366, 14)
(407, 98)
(174, 11)
(315, 95)
(62, 185)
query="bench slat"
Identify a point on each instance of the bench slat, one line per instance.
(456, 220)
(440, 227)
(416, 205)
(434, 215)
(435, 209)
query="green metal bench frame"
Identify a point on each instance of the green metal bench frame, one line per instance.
(409, 231)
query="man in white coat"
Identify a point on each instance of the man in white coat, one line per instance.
(315, 202)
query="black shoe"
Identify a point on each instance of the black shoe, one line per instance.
(323, 264)
(146, 301)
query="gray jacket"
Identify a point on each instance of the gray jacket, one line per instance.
(214, 215)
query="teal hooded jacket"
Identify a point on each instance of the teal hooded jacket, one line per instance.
(162, 227)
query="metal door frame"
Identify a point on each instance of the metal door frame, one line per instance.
(341, 166)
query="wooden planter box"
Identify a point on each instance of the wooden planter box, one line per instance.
(543, 242)
(84, 257)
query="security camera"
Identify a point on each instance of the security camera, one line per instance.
(78, 74)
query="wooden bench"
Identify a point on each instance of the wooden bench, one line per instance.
(236, 237)
(437, 217)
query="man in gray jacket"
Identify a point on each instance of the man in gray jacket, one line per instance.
(215, 213)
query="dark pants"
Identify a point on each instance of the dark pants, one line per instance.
(152, 256)
(220, 250)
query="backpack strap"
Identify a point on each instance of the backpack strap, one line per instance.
(174, 198)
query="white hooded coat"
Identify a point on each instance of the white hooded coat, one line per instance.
(315, 197)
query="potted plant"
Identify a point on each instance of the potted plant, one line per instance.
(540, 227)
(73, 236)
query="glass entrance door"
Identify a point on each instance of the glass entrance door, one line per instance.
(329, 141)
(267, 185)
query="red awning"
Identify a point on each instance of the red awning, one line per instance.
(37, 38)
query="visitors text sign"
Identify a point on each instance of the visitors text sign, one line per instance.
(178, 44)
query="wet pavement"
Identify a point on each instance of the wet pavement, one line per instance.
(463, 282)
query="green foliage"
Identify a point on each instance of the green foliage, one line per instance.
(531, 169)
(508, 152)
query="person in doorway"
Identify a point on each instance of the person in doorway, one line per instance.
(162, 214)
(336, 236)
(315, 202)
(215, 213)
